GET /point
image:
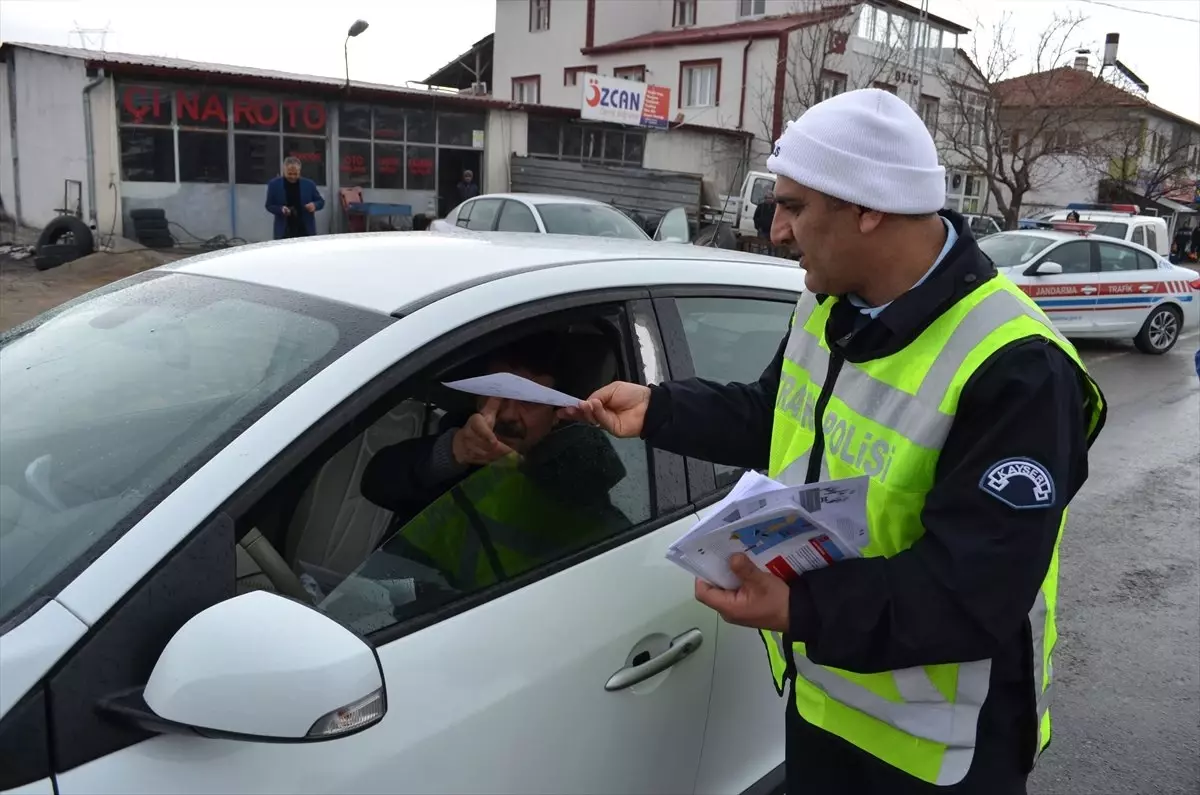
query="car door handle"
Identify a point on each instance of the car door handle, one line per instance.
(681, 647)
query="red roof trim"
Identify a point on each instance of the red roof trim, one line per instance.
(766, 28)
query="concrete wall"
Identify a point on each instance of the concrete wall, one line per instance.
(50, 137)
(713, 156)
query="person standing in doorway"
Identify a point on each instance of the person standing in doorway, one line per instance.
(294, 201)
(764, 215)
(467, 188)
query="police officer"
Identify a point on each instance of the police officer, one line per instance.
(926, 665)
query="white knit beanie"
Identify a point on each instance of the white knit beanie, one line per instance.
(866, 147)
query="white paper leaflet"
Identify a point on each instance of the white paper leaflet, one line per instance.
(513, 387)
(784, 530)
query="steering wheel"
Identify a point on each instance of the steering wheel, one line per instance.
(37, 477)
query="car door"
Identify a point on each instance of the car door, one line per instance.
(731, 335)
(1130, 285)
(1068, 298)
(508, 689)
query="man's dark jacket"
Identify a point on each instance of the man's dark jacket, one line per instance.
(277, 200)
(962, 592)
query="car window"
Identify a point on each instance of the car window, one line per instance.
(1151, 239)
(515, 217)
(1114, 257)
(395, 525)
(483, 214)
(1007, 251)
(1110, 229)
(463, 214)
(107, 405)
(732, 340)
(592, 220)
(1146, 262)
(758, 192)
(1074, 257)
(1138, 237)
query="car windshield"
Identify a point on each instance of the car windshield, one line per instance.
(1010, 250)
(111, 401)
(1110, 228)
(592, 220)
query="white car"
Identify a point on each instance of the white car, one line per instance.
(184, 449)
(1123, 222)
(1096, 286)
(544, 213)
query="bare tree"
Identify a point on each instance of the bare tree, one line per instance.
(820, 63)
(1134, 143)
(1022, 132)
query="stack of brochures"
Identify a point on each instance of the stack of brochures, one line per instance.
(785, 530)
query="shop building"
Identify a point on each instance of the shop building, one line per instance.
(107, 133)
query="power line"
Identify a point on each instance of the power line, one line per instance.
(1141, 11)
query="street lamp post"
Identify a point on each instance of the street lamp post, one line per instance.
(358, 27)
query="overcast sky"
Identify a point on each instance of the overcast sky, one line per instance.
(409, 39)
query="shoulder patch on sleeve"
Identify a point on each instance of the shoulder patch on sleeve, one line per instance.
(1019, 483)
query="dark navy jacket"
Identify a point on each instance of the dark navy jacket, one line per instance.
(277, 198)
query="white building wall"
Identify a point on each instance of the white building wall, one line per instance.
(106, 167)
(50, 132)
(715, 157)
(625, 19)
(7, 192)
(507, 135)
(518, 52)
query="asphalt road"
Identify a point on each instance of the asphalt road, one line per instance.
(1127, 666)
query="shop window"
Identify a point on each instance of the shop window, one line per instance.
(420, 171)
(389, 124)
(303, 116)
(614, 146)
(354, 164)
(258, 113)
(543, 137)
(147, 155)
(354, 121)
(635, 148)
(572, 148)
(203, 156)
(311, 154)
(458, 129)
(421, 127)
(201, 108)
(256, 159)
(389, 166)
(145, 105)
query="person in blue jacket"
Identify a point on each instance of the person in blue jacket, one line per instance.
(294, 201)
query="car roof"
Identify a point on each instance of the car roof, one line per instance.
(1108, 215)
(388, 271)
(1062, 237)
(542, 198)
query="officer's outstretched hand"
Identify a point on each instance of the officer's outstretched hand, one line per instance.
(619, 408)
(761, 602)
(475, 443)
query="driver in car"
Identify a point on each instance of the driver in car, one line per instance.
(505, 488)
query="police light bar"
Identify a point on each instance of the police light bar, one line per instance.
(1072, 226)
(1132, 209)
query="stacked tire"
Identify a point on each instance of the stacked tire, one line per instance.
(63, 240)
(150, 227)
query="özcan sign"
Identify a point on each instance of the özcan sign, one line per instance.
(620, 101)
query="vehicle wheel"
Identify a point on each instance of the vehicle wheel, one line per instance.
(55, 254)
(148, 214)
(1160, 331)
(68, 230)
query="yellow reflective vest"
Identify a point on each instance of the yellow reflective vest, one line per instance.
(888, 418)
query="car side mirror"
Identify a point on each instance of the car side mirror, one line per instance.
(1048, 269)
(259, 667)
(674, 227)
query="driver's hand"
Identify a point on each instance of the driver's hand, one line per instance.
(475, 443)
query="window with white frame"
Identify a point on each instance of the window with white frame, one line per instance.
(927, 108)
(752, 8)
(635, 73)
(539, 15)
(685, 13)
(527, 90)
(699, 84)
(974, 110)
(571, 74)
(964, 192)
(832, 84)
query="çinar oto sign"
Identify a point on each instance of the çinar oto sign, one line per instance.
(620, 101)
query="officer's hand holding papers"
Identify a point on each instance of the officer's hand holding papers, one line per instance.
(783, 530)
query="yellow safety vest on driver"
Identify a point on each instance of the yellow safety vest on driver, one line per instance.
(888, 418)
